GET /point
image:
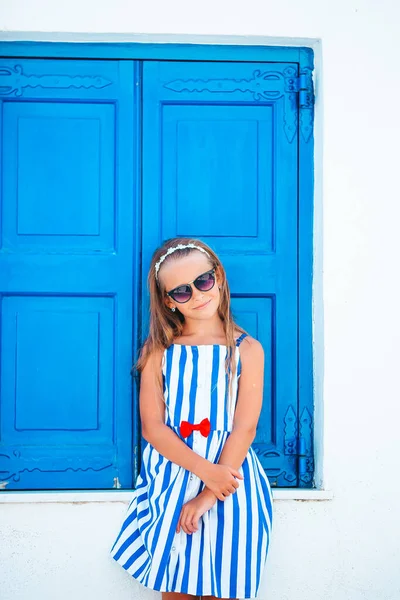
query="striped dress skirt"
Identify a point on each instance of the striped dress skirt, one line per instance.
(226, 556)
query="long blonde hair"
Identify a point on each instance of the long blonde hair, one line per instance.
(165, 325)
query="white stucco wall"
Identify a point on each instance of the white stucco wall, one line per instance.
(346, 547)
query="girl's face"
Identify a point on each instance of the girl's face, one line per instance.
(179, 272)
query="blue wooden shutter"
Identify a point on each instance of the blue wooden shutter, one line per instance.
(220, 162)
(66, 273)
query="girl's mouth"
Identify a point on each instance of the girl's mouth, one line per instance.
(203, 305)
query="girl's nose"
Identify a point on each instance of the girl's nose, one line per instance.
(198, 296)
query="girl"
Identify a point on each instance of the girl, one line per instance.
(200, 520)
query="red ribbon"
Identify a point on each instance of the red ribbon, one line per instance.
(204, 427)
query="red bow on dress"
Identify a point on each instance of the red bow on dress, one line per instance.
(204, 427)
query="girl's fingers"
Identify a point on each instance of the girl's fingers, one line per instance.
(189, 524)
(236, 473)
(186, 527)
(195, 522)
(181, 521)
(186, 523)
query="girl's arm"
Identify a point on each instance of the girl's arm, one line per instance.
(168, 443)
(248, 406)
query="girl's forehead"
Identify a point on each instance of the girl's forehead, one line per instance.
(182, 270)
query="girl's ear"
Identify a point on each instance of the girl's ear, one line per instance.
(167, 301)
(218, 276)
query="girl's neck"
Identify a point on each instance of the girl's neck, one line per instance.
(212, 328)
(203, 337)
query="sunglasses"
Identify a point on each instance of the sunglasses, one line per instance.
(203, 282)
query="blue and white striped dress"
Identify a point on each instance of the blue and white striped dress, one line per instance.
(225, 557)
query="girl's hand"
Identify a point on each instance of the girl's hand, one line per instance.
(220, 479)
(194, 509)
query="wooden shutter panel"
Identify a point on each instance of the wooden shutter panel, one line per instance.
(220, 144)
(66, 273)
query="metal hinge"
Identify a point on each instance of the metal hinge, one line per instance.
(303, 85)
(299, 447)
(303, 456)
(299, 442)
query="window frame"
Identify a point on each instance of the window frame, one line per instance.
(304, 56)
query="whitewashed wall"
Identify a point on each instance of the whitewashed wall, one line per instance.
(346, 546)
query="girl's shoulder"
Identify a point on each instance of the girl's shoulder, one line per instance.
(251, 348)
(153, 358)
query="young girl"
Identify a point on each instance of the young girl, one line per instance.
(200, 520)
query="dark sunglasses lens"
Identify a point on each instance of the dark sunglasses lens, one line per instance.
(205, 282)
(182, 294)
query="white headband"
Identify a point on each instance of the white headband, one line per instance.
(172, 249)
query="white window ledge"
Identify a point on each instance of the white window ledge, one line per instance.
(80, 497)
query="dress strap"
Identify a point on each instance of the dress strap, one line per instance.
(238, 341)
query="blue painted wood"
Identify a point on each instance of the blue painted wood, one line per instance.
(83, 253)
(220, 162)
(151, 51)
(67, 276)
(305, 259)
